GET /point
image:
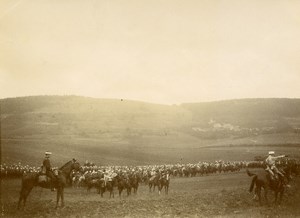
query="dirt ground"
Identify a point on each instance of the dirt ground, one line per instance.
(219, 195)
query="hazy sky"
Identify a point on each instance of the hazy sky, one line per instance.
(162, 51)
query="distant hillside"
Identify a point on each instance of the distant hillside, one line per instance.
(139, 132)
(88, 117)
(245, 117)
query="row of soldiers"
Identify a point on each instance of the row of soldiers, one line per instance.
(176, 169)
(17, 170)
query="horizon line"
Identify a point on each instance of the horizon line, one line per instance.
(142, 101)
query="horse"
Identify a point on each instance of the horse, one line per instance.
(77, 180)
(164, 181)
(128, 185)
(30, 180)
(108, 185)
(135, 179)
(120, 184)
(93, 182)
(153, 181)
(263, 180)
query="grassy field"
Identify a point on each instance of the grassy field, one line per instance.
(114, 132)
(220, 195)
(140, 152)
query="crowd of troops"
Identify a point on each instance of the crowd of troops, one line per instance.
(91, 174)
(177, 170)
(16, 170)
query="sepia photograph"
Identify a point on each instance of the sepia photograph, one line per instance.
(149, 108)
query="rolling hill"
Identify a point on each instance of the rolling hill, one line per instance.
(110, 131)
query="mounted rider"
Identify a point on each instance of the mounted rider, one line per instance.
(108, 176)
(46, 170)
(164, 175)
(271, 164)
(153, 174)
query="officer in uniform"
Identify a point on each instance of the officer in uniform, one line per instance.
(271, 164)
(47, 168)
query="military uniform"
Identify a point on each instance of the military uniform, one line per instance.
(271, 163)
(47, 167)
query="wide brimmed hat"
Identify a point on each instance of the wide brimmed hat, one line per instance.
(48, 153)
(271, 152)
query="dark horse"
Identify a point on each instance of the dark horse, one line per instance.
(121, 183)
(153, 181)
(135, 179)
(164, 182)
(108, 186)
(124, 182)
(30, 180)
(263, 180)
(127, 182)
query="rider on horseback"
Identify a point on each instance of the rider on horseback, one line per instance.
(271, 164)
(108, 175)
(47, 169)
(153, 174)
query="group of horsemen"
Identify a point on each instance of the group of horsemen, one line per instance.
(108, 175)
(127, 173)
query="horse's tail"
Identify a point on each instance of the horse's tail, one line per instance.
(252, 183)
(250, 174)
(26, 187)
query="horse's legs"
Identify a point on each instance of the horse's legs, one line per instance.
(276, 196)
(23, 195)
(57, 196)
(19, 203)
(102, 191)
(281, 195)
(62, 197)
(259, 194)
(111, 192)
(120, 192)
(168, 189)
(159, 187)
(130, 190)
(266, 195)
(26, 195)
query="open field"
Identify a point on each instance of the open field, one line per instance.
(31, 151)
(219, 195)
(129, 133)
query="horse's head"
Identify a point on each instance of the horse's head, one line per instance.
(76, 166)
(287, 172)
(69, 166)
